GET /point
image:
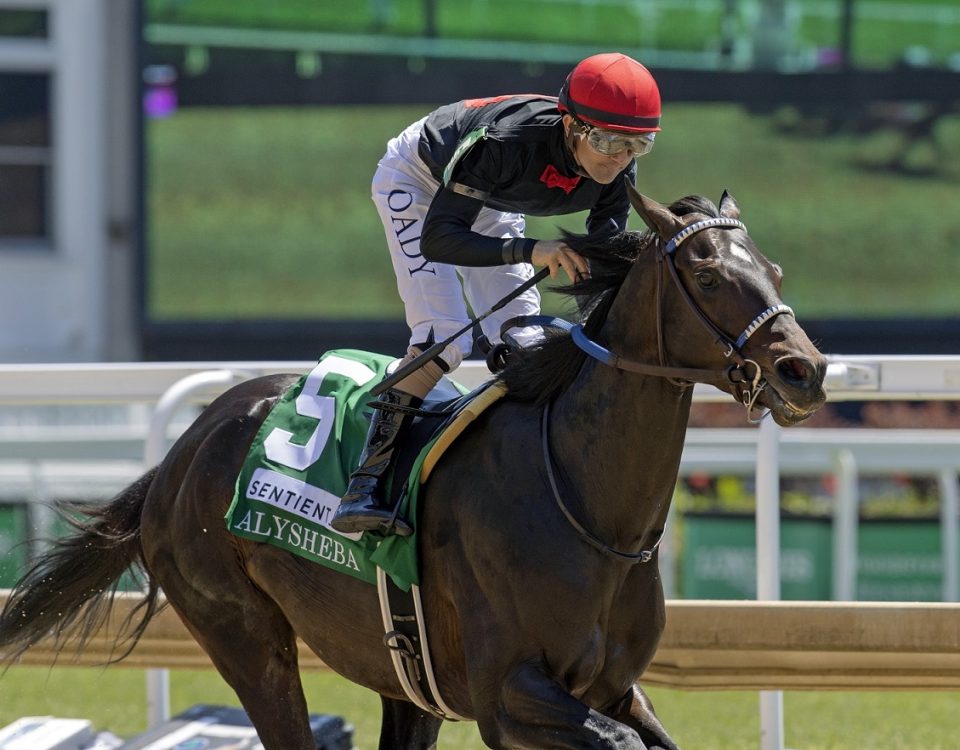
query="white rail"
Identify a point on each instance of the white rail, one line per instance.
(849, 378)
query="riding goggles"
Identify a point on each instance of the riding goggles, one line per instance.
(610, 143)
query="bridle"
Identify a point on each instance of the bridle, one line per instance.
(751, 386)
(743, 372)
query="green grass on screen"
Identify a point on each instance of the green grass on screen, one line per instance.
(266, 213)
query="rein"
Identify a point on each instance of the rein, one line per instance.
(631, 558)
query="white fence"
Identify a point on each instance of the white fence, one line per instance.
(44, 452)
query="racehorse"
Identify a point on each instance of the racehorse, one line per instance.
(538, 530)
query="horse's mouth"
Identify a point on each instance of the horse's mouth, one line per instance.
(785, 412)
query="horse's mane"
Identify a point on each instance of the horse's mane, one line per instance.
(540, 373)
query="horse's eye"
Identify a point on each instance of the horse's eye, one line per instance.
(706, 279)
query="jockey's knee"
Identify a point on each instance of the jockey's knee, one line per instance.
(423, 379)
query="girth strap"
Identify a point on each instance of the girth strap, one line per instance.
(406, 639)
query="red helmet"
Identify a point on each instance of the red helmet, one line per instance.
(612, 91)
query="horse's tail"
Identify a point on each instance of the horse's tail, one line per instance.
(68, 592)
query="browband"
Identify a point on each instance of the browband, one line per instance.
(719, 221)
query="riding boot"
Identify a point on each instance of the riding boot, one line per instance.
(363, 507)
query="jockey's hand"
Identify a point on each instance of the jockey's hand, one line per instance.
(556, 254)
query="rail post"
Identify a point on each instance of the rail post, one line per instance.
(768, 563)
(846, 503)
(949, 510)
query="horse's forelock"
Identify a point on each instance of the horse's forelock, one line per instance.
(694, 204)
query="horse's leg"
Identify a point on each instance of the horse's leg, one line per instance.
(635, 710)
(533, 710)
(246, 636)
(406, 727)
(255, 651)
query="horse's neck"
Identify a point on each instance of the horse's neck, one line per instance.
(618, 438)
(619, 435)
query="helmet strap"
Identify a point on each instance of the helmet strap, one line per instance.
(570, 141)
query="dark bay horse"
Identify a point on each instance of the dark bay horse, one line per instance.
(539, 529)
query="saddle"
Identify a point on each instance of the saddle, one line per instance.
(445, 413)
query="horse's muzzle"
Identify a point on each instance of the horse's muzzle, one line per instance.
(795, 388)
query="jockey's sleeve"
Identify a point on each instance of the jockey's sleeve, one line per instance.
(448, 237)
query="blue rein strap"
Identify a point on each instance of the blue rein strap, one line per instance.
(574, 329)
(605, 356)
(546, 321)
(591, 347)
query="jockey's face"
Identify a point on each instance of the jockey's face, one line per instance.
(602, 168)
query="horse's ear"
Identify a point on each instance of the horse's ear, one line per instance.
(729, 206)
(657, 217)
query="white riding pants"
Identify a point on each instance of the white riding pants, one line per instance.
(435, 295)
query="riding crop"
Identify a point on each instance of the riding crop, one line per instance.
(434, 351)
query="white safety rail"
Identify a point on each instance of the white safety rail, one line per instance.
(167, 388)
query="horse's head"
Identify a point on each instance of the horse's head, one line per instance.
(717, 286)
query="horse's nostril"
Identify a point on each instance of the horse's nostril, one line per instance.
(796, 369)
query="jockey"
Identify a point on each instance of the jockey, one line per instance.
(452, 191)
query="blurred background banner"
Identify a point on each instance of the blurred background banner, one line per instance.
(185, 179)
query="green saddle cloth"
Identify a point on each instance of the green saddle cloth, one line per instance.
(299, 465)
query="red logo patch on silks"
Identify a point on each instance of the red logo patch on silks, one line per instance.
(552, 178)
